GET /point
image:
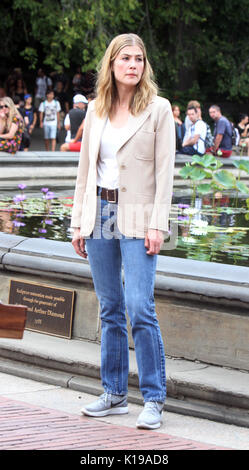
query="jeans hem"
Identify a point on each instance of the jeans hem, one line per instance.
(157, 399)
(116, 393)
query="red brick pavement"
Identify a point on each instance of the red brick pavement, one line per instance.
(28, 427)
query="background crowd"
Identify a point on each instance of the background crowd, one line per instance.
(194, 135)
(56, 102)
(51, 104)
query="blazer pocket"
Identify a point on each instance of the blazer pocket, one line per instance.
(144, 145)
(149, 156)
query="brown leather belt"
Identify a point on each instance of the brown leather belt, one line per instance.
(109, 195)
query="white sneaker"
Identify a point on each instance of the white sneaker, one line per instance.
(151, 416)
(107, 404)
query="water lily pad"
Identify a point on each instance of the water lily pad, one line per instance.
(197, 174)
(225, 179)
(204, 188)
(242, 187)
(185, 171)
(242, 165)
(208, 161)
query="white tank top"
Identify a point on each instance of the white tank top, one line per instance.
(107, 169)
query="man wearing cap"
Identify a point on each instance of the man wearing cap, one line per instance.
(73, 121)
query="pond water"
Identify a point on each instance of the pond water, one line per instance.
(204, 229)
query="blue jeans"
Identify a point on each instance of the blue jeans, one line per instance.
(107, 251)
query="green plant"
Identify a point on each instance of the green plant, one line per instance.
(208, 167)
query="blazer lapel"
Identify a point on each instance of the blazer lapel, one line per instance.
(134, 123)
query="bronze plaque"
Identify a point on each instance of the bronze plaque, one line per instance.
(49, 309)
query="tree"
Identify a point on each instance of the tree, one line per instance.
(72, 31)
(197, 49)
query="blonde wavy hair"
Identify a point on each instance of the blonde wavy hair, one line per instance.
(106, 90)
(13, 111)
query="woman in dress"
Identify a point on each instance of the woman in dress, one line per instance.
(11, 126)
(120, 215)
(243, 128)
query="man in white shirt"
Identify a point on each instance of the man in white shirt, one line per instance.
(50, 119)
(194, 139)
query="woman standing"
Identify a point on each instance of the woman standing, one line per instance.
(179, 125)
(243, 128)
(121, 207)
(11, 126)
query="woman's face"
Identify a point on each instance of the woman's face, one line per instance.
(128, 66)
(4, 109)
(176, 111)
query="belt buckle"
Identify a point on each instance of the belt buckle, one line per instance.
(113, 201)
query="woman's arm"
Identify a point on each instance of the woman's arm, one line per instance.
(164, 175)
(34, 122)
(41, 119)
(2, 123)
(11, 133)
(79, 132)
(153, 241)
(164, 167)
(78, 243)
(82, 174)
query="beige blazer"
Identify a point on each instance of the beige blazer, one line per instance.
(146, 162)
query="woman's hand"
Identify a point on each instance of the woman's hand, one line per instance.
(78, 243)
(153, 241)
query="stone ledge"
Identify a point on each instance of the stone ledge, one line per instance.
(202, 307)
(43, 157)
(35, 255)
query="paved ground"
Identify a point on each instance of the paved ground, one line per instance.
(28, 427)
(37, 140)
(35, 415)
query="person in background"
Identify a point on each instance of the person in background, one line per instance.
(30, 113)
(60, 76)
(30, 119)
(194, 138)
(75, 119)
(193, 103)
(78, 137)
(61, 96)
(243, 128)
(180, 127)
(25, 143)
(20, 90)
(121, 208)
(222, 133)
(11, 126)
(43, 84)
(77, 81)
(50, 119)
(67, 128)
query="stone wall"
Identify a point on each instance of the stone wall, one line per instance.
(203, 308)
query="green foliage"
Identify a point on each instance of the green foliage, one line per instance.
(197, 49)
(74, 31)
(208, 167)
